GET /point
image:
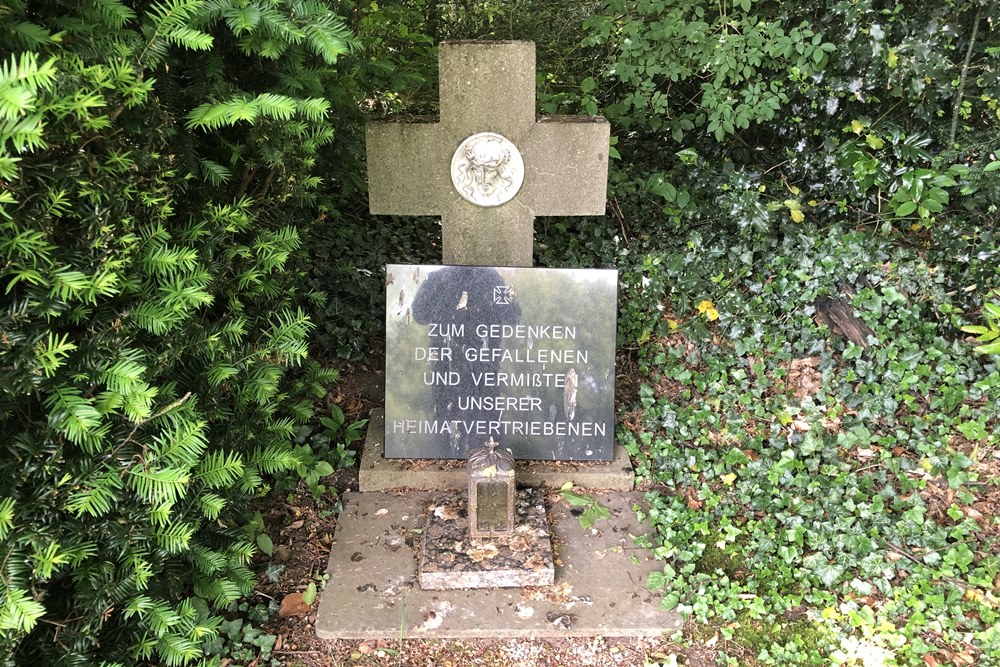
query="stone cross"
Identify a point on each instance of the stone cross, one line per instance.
(487, 165)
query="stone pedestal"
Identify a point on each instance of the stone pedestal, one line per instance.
(450, 560)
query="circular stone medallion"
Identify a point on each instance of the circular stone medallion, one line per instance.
(487, 169)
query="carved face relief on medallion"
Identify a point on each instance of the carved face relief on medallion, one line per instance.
(487, 169)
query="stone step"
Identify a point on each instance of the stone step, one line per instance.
(378, 473)
(599, 590)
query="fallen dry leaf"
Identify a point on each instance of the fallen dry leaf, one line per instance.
(972, 513)
(803, 377)
(963, 659)
(807, 362)
(691, 495)
(295, 525)
(293, 605)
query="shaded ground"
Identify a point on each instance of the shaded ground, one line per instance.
(527, 653)
(302, 530)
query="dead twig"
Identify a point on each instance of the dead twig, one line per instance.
(617, 210)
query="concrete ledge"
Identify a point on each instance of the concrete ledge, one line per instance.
(378, 473)
(600, 579)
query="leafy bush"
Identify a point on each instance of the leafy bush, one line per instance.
(157, 167)
(321, 451)
(988, 334)
(765, 116)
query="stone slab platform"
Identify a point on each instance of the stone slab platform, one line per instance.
(378, 473)
(450, 560)
(599, 585)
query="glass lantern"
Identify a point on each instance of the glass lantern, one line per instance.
(491, 492)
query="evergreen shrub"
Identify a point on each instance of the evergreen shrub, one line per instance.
(157, 166)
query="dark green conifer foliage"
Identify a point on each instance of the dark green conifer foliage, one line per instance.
(156, 170)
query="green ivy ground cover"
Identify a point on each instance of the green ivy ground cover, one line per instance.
(816, 501)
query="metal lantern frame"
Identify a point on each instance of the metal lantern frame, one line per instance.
(491, 472)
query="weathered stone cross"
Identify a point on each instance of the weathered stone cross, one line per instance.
(488, 166)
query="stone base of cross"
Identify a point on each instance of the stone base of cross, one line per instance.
(487, 166)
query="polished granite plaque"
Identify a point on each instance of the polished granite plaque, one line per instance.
(525, 356)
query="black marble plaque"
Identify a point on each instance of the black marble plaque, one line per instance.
(523, 355)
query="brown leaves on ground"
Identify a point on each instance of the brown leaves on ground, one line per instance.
(940, 497)
(804, 378)
(665, 387)
(691, 496)
(568, 652)
(559, 593)
(985, 503)
(961, 659)
(633, 421)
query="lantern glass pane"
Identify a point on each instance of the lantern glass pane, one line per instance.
(491, 506)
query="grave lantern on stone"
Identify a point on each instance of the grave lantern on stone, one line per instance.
(492, 490)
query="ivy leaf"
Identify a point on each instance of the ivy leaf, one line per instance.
(874, 142)
(670, 601)
(309, 594)
(829, 573)
(862, 617)
(688, 156)
(736, 457)
(657, 580)
(265, 544)
(575, 499)
(973, 430)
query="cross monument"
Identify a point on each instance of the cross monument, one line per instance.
(487, 166)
